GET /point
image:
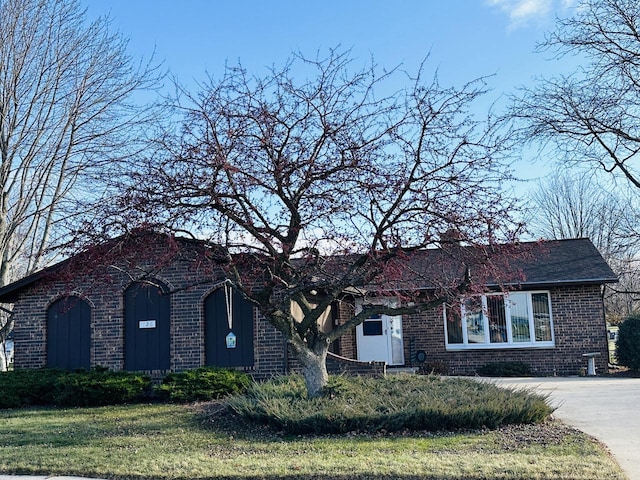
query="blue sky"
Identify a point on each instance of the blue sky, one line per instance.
(464, 39)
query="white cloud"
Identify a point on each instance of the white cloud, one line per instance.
(522, 12)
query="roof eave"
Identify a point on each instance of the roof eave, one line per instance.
(10, 293)
(589, 281)
(540, 284)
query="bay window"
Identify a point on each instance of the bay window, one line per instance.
(500, 320)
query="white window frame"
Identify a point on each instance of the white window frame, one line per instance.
(509, 344)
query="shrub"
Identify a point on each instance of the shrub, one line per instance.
(202, 384)
(628, 344)
(101, 387)
(19, 388)
(434, 368)
(403, 402)
(504, 369)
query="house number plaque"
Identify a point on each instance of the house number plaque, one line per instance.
(231, 340)
(147, 324)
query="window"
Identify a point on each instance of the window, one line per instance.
(513, 320)
(372, 327)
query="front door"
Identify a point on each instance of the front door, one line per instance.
(380, 339)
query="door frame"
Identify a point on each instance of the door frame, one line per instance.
(386, 346)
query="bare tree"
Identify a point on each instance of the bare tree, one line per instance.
(591, 115)
(623, 299)
(576, 204)
(66, 110)
(319, 186)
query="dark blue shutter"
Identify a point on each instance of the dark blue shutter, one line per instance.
(147, 328)
(217, 352)
(69, 334)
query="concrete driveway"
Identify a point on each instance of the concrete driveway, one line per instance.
(607, 408)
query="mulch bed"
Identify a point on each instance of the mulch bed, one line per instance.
(616, 371)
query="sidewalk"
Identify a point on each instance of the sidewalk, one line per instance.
(36, 477)
(603, 407)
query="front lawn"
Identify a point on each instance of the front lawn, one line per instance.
(208, 441)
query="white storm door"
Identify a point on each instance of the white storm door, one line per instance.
(380, 339)
(396, 346)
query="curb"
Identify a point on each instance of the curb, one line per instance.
(43, 477)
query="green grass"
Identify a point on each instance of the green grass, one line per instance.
(205, 441)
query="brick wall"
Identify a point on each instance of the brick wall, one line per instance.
(104, 293)
(271, 350)
(578, 322)
(579, 327)
(341, 365)
(347, 342)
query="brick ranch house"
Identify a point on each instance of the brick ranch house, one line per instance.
(181, 315)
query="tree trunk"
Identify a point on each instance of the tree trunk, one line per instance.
(314, 367)
(4, 364)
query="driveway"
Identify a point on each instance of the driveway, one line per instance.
(606, 408)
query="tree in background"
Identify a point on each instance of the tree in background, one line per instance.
(316, 180)
(575, 204)
(628, 344)
(589, 119)
(66, 86)
(591, 116)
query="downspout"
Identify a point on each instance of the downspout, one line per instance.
(285, 345)
(603, 288)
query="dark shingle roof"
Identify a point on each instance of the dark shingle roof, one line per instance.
(9, 293)
(566, 262)
(542, 263)
(532, 264)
